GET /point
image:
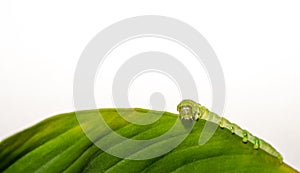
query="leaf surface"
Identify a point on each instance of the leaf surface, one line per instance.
(58, 144)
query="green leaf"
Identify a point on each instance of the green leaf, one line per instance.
(58, 144)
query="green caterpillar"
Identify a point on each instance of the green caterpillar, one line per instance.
(190, 110)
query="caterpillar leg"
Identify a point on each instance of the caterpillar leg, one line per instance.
(256, 143)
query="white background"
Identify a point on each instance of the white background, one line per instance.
(257, 44)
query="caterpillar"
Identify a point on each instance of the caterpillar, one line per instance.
(190, 110)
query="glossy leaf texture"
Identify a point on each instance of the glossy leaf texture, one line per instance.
(58, 144)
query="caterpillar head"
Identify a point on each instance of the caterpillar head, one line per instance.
(189, 110)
